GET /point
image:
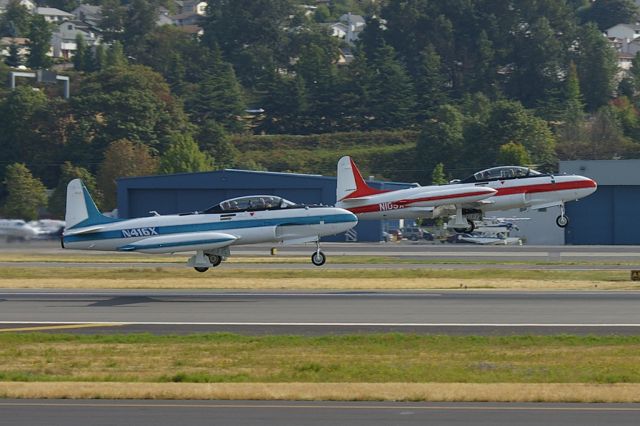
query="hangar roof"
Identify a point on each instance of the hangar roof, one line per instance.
(605, 172)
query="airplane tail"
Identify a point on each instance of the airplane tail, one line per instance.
(350, 182)
(81, 210)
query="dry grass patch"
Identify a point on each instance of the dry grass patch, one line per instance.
(437, 392)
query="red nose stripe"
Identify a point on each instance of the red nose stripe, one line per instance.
(546, 187)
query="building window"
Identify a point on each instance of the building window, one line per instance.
(70, 27)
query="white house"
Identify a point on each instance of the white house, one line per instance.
(51, 14)
(624, 31)
(63, 40)
(348, 28)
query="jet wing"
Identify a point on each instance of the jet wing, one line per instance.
(188, 241)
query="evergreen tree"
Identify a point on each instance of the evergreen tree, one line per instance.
(112, 21)
(15, 21)
(437, 176)
(14, 60)
(597, 65)
(100, 57)
(574, 105)
(392, 95)
(214, 141)
(441, 141)
(607, 13)
(25, 194)
(184, 156)
(79, 59)
(115, 55)
(39, 43)
(123, 158)
(431, 83)
(57, 202)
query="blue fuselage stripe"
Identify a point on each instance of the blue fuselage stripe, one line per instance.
(218, 226)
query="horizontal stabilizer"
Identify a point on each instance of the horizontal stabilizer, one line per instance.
(89, 230)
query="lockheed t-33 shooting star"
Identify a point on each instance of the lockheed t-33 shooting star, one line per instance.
(495, 189)
(211, 233)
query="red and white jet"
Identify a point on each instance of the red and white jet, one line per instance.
(513, 186)
(353, 194)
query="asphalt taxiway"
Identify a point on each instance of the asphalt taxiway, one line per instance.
(312, 313)
(268, 413)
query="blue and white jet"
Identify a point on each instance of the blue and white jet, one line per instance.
(211, 233)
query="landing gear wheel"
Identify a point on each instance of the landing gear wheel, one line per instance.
(318, 258)
(201, 268)
(468, 229)
(214, 259)
(562, 221)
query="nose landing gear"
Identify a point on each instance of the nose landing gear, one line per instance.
(562, 221)
(318, 258)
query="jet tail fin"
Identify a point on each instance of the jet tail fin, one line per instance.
(350, 182)
(81, 210)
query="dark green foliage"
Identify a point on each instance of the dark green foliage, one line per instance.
(597, 65)
(57, 202)
(15, 21)
(607, 13)
(213, 140)
(14, 59)
(39, 43)
(25, 194)
(184, 156)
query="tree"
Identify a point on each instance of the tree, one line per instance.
(607, 13)
(80, 57)
(391, 92)
(214, 141)
(431, 83)
(441, 141)
(14, 59)
(184, 156)
(133, 103)
(138, 22)
(437, 176)
(217, 97)
(513, 154)
(25, 194)
(115, 55)
(57, 202)
(597, 65)
(15, 21)
(123, 158)
(100, 57)
(112, 21)
(39, 43)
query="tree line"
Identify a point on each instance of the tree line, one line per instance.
(482, 82)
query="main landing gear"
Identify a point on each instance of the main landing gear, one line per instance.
(461, 223)
(318, 258)
(562, 220)
(201, 262)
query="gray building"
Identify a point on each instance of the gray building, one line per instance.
(610, 215)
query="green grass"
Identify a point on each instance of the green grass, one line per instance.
(159, 273)
(224, 357)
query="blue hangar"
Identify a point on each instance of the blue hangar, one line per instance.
(188, 192)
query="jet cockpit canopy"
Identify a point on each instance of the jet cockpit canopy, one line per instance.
(502, 172)
(251, 203)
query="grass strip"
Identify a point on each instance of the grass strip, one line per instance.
(436, 392)
(179, 259)
(370, 358)
(315, 279)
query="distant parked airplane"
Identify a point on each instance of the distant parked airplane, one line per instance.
(239, 221)
(506, 187)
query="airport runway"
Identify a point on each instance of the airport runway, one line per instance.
(312, 313)
(276, 413)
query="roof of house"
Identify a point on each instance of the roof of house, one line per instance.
(52, 11)
(630, 26)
